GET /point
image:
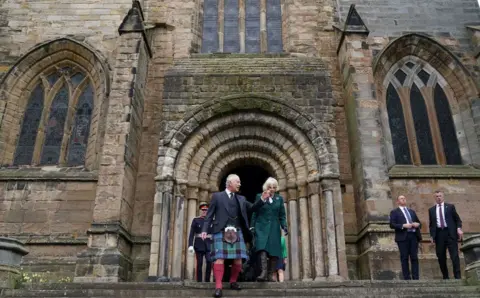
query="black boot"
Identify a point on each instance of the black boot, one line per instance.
(263, 265)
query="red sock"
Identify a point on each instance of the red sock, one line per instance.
(236, 269)
(218, 270)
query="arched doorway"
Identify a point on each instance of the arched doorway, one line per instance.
(240, 136)
(252, 178)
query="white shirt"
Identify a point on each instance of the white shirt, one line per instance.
(228, 192)
(404, 211)
(441, 208)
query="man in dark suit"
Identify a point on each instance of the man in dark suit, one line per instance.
(201, 247)
(228, 213)
(445, 231)
(407, 235)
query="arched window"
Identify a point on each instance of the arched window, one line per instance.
(419, 116)
(56, 122)
(248, 26)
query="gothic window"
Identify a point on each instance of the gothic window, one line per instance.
(419, 116)
(247, 26)
(56, 122)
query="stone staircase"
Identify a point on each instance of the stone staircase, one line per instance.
(387, 289)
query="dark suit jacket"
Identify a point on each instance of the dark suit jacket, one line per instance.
(218, 215)
(451, 218)
(397, 219)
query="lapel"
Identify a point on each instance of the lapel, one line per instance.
(401, 214)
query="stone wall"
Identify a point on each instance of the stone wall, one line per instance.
(437, 17)
(48, 214)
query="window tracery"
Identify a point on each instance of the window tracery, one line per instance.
(242, 26)
(56, 123)
(419, 116)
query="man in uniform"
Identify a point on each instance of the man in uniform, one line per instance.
(201, 247)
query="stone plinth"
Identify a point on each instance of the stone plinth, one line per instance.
(471, 252)
(11, 253)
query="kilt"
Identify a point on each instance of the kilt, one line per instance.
(224, 250)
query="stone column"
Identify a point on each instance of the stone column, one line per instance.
(221, 23)
(263, 26)
(192, 213)
(305, 233)
(369, 170)
(241, 24)
(11, 253)
(293, 250)
(471, 253)
(107, 257)
(317, 231)
(162, 207)
(178, 248)
(284, 195)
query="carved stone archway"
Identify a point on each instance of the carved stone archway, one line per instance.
(299, 152)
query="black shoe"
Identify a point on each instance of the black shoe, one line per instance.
(218, 293)
(235, 286)
(263, 266)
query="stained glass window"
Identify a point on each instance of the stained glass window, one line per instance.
(81, 129)
(77, 79)
(447, 130)
(397, 127)
(54, 128)
(28, 133)
(428, 149)
(231, 35)
(424, 76)
(401, 76)
(232, 32)
(422, 127)
(274, 26)
(252, 26)
(210, 26)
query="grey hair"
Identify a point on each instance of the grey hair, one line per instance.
(270, 181)
(230, 178)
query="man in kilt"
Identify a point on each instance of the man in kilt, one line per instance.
(228, 213)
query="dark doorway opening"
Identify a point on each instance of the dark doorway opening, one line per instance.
(252, 178)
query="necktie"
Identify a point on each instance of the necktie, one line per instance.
(230, 195)
(409, 219)
(442, 225)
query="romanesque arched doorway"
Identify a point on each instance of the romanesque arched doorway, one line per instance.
(244, 134)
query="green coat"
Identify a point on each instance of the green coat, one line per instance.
(267, 222)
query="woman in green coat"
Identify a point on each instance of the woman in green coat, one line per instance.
(266, 223)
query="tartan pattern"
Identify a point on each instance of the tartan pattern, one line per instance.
(224, 250)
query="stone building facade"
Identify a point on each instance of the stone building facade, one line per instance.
(117, 118)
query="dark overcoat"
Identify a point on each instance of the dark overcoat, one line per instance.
(267, 222)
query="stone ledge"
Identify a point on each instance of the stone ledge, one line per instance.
(407, 171)
(48, 173)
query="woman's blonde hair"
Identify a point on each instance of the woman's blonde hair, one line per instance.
(270, 182)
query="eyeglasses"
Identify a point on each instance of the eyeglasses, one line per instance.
(204, 209)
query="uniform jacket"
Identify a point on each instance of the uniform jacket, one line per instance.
(197, 242)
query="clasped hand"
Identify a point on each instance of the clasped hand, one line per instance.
(411, 225)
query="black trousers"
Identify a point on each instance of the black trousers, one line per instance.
(199, 255)
(444, 241)
(409, 251)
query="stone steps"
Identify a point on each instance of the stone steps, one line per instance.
(289, 289)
